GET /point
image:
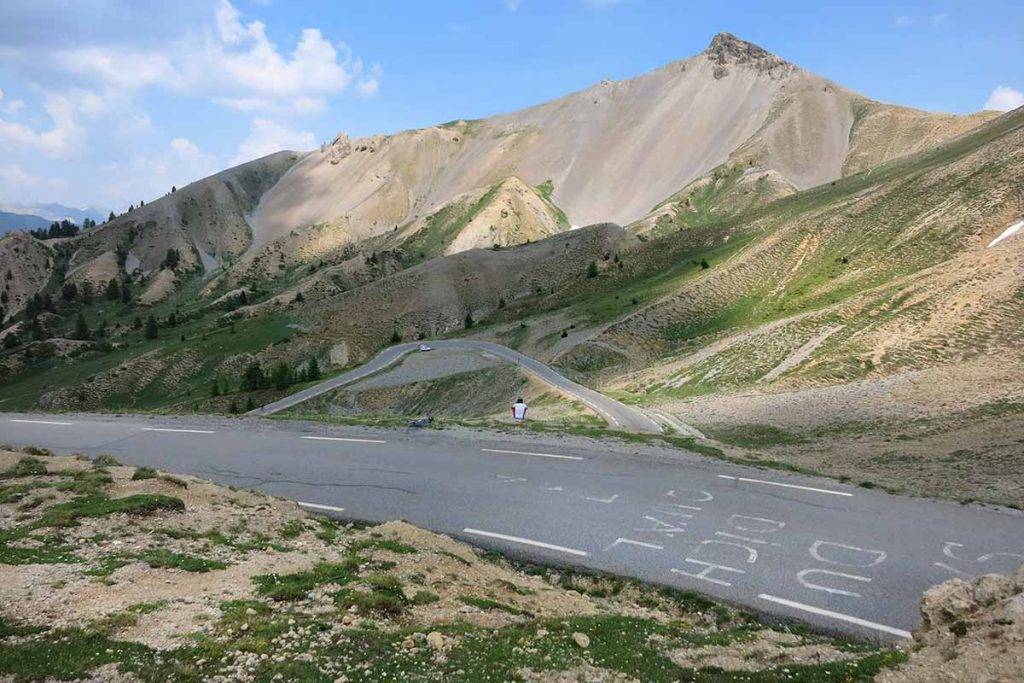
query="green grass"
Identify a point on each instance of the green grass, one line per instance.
(206, 337)
(291, 587)
(488, 604)
(382, 544)
(25, 467)
(68, 514)
(143, 473)
(755, 436)
(160, 558)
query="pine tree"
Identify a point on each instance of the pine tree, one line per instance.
(173, 189)
(592, 269)
(313, 371)
(299, 298)
(252, 379)
(69, 291)
(249, 404)
(126, 293)
(87, 293)
(82, 328)
(469, 320)
(111, 217)
(281, 376)
(234, 407)
(396, 338)
(152, 329)
(113, 291)
(216, 388)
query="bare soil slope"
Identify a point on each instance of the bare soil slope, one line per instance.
(612, 151)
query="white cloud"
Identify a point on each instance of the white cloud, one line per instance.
(19, 182)
(267, 136)
(14, 106)
(1005, 98)
(511, 5)
(369, 84)
(185, 147)
(224, 58)
(63, 138)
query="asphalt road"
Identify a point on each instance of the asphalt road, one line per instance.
(618, 415)
(843, 558)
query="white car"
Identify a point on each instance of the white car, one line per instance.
(424, 347)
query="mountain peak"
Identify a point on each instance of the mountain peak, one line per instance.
(726, 49)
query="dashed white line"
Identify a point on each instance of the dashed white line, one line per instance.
(43, 422)
(788, 486)
(837, 615)
(338, 438)
(318, 506)
(526, 541)
(538, 455)
(179, 431)
(602, 500)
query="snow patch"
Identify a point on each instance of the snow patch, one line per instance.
(1009, 232)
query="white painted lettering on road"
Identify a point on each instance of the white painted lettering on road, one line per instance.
(802, 578)
(661, 527)
(536, 455)
(629, 541)
(709, 567)
(836, 615)
(526, 541)
(704, 496)
(851, 556)
(339, 438)
(44, 422)
(788, 486)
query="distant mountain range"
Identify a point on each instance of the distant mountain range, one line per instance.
(21, 221)
(55, 212)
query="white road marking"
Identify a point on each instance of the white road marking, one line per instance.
(181, 431)
(837, 615)
(318, 506)
(630, 541)
(338, 438)
(943, 565)
(602, 500)
(526, 541)
(43, 422)
(726, 534)
(708, 568)
(539, 455)
(801, 576)
(788, 486)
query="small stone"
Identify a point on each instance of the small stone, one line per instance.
(243, 627)
(581, 639)
(347, 620)
(435, 640)
(408, 643)
(250, 611)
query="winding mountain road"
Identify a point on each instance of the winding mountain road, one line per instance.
(843, 558)
(619, 416)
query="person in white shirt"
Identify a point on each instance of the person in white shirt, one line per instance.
(519, 410)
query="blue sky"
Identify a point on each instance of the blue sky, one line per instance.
(111, 101)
